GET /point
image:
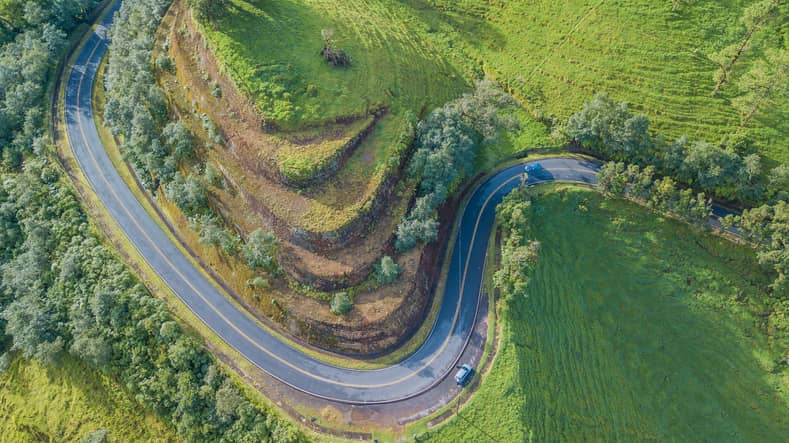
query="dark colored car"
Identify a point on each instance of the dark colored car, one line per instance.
(464, 374)
(532, 168)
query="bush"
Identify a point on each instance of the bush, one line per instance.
(387, 271)
(164, 63)
(341, 303)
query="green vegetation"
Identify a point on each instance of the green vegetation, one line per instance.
(386, 271)
(65, 296)
(341, 303)
(394, 63)
(68, 403)
(447, 143)
(664, 60)
(610, 130)
(632, 327)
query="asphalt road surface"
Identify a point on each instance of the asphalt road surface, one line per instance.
(431, 363)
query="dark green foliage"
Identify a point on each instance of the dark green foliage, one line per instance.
(332, 54)
(617, 180)
(610, 130)
(519, 254)
(341, 303)
(207, 10)
(387, 271)
(768, 227)
(447, 143)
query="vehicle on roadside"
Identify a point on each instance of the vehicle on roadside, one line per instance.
(464, 374)
(532, 168)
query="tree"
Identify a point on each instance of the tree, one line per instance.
(188, 194)
(612, 179)
(180, 140)
(387, 271)
(768, 227)
(261, 250)
(778, 185)
(332, 54)
(341, 303)
(610, 129)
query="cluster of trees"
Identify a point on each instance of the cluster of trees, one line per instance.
(519, 255)
(447, 142)
(64, 293)
(136, 108)
(38, 33)
(163, 152)
(631, 181)
(768, 228)
(610, 130)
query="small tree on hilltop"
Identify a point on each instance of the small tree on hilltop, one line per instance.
(332, 54)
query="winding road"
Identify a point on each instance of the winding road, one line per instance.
(426, 367)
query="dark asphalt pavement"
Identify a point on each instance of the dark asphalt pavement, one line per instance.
(430, 364)
(417, 373)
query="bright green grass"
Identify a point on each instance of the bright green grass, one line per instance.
(271, 49)
(67, 403)
(556, 55)
(635, 329)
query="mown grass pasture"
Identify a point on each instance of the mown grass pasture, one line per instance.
(635, 328)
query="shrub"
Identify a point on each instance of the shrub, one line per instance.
(387, 271)
(341, 303)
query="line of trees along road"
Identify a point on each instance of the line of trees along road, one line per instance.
(162, 150)
(691, 173)
(64, 294)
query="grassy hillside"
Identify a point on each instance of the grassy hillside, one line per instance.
(635, 329)
(271, 49)
(555, 55)
(68, 403)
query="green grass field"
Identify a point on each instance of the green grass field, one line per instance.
(555, 55)
(67, 403)
(635, 329)
(271, 49)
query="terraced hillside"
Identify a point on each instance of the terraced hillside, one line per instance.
(327, 181)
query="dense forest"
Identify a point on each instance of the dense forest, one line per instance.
(62, 292)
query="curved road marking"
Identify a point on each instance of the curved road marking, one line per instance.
(425, 370)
